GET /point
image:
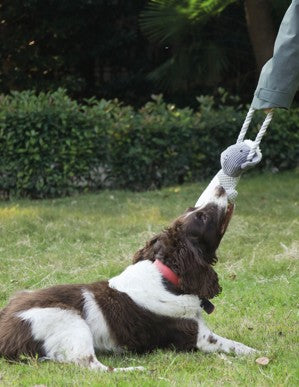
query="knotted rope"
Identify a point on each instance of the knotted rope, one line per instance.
(260, 134)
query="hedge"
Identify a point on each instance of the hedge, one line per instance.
(53, 146)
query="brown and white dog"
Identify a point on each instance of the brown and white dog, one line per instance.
(157, 302)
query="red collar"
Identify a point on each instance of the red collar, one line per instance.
(167, 272)
(174, 279)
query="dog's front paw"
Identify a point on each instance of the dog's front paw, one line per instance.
(242, 349)
(128, 369)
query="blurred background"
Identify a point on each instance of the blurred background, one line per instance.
(132, 94)
(132, 49)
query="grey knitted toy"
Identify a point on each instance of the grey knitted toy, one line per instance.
(233, 162)
(236, 159)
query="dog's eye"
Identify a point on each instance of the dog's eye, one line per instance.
(202, 216)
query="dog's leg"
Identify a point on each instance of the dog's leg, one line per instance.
(93, 364)
(208, 341)
(66, 337)
(128, 369)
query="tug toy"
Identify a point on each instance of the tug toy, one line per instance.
(236, 159)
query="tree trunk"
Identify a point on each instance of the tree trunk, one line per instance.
(261, 30)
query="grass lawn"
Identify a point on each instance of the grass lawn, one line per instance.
(93, 237)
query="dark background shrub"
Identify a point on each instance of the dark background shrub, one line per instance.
(96, 47)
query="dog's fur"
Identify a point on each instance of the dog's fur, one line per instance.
(139, 310)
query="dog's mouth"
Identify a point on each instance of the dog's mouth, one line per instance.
(227, 217)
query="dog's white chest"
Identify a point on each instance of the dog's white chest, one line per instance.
(142, 282)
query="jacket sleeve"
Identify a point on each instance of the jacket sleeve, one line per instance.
(279, 78)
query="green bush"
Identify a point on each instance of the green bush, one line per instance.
(156, 146)
(47, 146)
(52, 146)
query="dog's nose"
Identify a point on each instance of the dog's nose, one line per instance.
(219, 191)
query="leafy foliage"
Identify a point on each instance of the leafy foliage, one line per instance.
(96, 47)
(90, 47)
(51, 145)
(191, 30)
(46, 145)
(164, 19)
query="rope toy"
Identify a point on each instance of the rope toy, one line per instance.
(236, 159)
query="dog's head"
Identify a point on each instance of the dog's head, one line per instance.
(188, 247)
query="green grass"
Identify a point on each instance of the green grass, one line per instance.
(92, 237)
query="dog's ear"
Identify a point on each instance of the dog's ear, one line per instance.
(153, 249)
(196, 275)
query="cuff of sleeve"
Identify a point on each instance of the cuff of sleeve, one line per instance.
(267, 98)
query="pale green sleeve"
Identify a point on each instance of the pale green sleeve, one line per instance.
(279, 78)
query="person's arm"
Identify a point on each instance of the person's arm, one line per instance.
(279, 78)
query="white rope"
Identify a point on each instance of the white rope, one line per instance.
(260, 134)
(245, 125)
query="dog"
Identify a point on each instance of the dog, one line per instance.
(157, 302)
